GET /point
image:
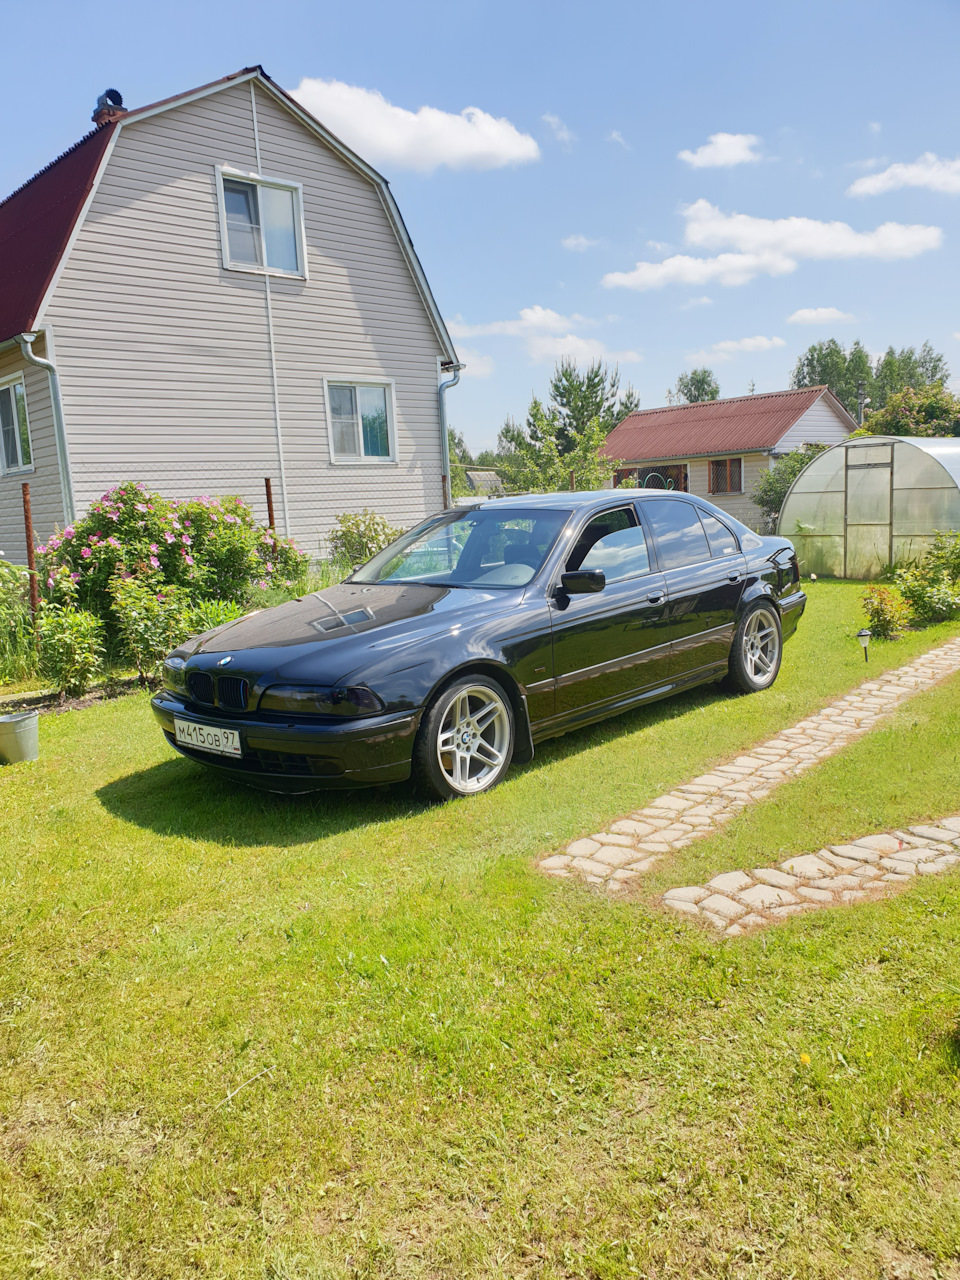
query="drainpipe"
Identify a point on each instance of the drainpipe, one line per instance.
(444, 439)
(25, 342)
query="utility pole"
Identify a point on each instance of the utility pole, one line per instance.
(862, 400)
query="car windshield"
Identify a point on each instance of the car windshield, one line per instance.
(479, 547)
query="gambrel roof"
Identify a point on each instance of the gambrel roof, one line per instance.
(39, 220)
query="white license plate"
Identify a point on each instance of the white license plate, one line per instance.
(205, 737)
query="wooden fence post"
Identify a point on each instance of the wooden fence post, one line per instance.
(573, 483)
(267, 484)
(31, 556)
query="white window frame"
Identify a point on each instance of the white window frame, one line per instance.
(361, 380)
(261, 180)
(25, 468)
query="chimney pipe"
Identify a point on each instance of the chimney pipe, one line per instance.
(109, 108)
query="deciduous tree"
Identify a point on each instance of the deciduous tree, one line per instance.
(698, 385)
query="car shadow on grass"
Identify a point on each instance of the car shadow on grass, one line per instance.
(179, 797)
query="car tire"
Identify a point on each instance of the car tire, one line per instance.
(466, 739)
(757, 649)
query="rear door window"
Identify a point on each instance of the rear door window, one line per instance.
(678, 533)
(722, 541)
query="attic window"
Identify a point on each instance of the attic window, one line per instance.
(261, 224)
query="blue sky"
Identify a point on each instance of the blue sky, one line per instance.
(559, 216)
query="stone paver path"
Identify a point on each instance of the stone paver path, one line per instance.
(738, 901)
(611, 859)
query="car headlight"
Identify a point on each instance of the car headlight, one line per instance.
(174, 676)
(355, 700)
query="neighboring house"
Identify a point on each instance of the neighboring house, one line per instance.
(718, 448)
(206, 292)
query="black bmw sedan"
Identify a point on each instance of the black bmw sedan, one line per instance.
(480, 633)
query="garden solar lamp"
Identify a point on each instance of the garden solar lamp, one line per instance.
(864, 638)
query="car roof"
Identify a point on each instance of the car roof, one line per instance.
(581, 501)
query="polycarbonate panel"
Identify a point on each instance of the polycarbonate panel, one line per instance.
(868, 549)
(819, 554)
(860, 454)
(868, 496)
(914, 468)
(924, 511)
(812, 513)
(823, 475)
(908, 549)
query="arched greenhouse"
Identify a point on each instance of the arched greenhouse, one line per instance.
(870, 502)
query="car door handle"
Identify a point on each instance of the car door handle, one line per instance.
(655, 597)
(733, 577)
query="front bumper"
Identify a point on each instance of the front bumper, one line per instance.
(294, 756)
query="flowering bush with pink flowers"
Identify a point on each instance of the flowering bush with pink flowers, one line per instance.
(211, 548)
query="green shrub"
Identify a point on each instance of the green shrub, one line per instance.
(358, 535)
(18, 649)
(886, 611)
(153, 618)
(211, 547)
(70, 641)
(932, 597)
(931, 585)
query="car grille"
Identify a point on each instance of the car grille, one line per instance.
(232, 693)
(229, 692)
(200, 684)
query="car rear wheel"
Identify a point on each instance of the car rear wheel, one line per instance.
(756, 651)
(466, 740)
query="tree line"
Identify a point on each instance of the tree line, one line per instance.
(904, 393)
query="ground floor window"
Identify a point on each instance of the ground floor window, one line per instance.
(726, 475)
(361, 421)
(665, 476)
(14, 429)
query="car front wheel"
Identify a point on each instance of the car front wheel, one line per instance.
(466, 740)
(756, 651)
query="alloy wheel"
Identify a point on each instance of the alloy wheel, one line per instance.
(761, 646)
(473, 740)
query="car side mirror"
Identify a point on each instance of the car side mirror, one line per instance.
(583, 582)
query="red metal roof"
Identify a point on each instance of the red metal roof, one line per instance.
(738, 425)
(35, 226)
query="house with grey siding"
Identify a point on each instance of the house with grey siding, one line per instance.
(719, 448)
(211, 291)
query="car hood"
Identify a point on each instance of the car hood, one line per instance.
(338, 629)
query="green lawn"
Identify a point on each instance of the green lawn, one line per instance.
(450, 1066)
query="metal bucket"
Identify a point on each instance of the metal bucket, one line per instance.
(19, 737)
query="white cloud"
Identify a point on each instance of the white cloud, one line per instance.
(578, 243)
(820, 315)
(616, 136)
(769, 246)
(547, 336)
(703, 301)
(874, 126)
(477, 365)
(535, 319)
(560, 130)
(730, 347)
(723, 150)
(929, 172)
(957, 336)
(422, 140)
